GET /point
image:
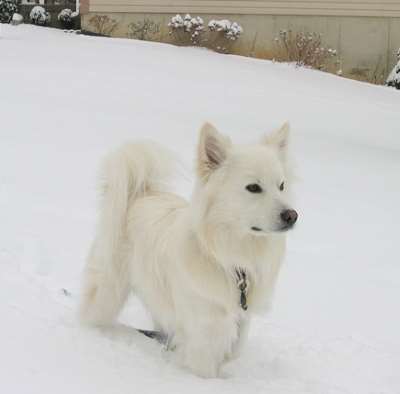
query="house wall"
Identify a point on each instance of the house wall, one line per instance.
(388, 8)
(365, 33)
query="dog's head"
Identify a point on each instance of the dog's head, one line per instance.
(245, 188)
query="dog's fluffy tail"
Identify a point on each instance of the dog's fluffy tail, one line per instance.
(133, 171)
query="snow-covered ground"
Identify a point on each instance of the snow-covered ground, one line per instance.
(66, 99)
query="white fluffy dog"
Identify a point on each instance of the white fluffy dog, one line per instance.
(202, 267)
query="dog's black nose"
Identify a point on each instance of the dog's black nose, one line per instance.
(289, 216)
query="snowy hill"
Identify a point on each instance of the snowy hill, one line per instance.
(67, 99)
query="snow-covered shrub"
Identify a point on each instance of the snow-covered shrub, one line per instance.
(186, 29)
(394, 77)
(230, 30)
(143, 30)
(67, 18)
(222, 34)
(7, 10)
(39, 16)
(103, 24)
(190, 30)
(17, 19)
(305, 49)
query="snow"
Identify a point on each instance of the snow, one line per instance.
(65, 15)
(232, 30)
(335, 324)
(195, 25)
(187, 24)
(39, 15)
(17, 19)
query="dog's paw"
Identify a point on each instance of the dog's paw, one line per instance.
(199, 363)
(204, 371)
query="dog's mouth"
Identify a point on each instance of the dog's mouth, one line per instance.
(282, 229)
(258, 232)
(285, 228)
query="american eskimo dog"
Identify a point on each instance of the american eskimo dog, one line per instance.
(201, 267)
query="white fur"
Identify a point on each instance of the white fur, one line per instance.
(179, 257)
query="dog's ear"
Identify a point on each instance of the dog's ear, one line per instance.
(212, 150)
(280, 139)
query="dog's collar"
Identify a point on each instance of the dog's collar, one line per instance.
(242, 282)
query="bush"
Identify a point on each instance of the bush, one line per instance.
(103, 24)
(17, 19)
(67, 18)
(394, 77)
(186, 30)
(7, 10)
(222, 34)
(39, 16)
(190, 30)
(143, 30)
(230, 30)
(305, 49)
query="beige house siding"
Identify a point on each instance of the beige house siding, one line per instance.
(373, 8)
(84, 6)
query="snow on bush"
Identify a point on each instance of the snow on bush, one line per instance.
(186, 28)
(17, 19)
(231, 30)
(39, 16)
(394, 77)
(67, 17)
(7, 10)
(222, 34)
(190, 30)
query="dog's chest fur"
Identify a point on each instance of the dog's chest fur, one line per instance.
(239, 278)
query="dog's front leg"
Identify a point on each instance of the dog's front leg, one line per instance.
(243, 332)
(207, 343)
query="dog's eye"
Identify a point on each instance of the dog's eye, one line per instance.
(282, 186)
(254, 188)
